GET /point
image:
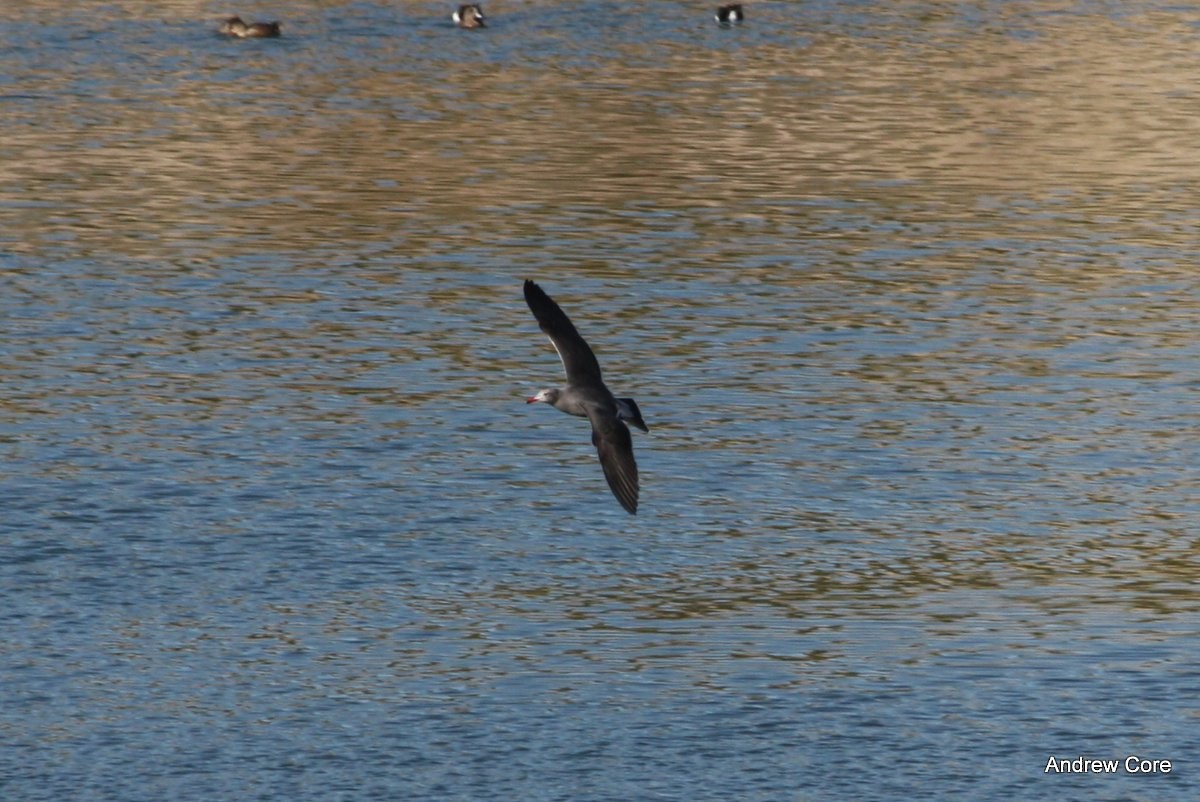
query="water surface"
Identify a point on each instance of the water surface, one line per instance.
(905, 291)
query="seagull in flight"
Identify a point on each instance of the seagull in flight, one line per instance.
(586, 396)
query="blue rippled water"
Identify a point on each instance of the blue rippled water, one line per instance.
(905, 292)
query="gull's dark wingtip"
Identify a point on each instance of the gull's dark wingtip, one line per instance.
(539, 302)
(627, 497)
(615, 449)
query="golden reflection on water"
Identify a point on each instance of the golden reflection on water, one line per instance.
(310, 146)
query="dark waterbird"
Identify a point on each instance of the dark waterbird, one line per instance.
(586, 396)
(727, 15)
(469, 16)
(236, 26)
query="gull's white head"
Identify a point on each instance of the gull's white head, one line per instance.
(545, 396)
